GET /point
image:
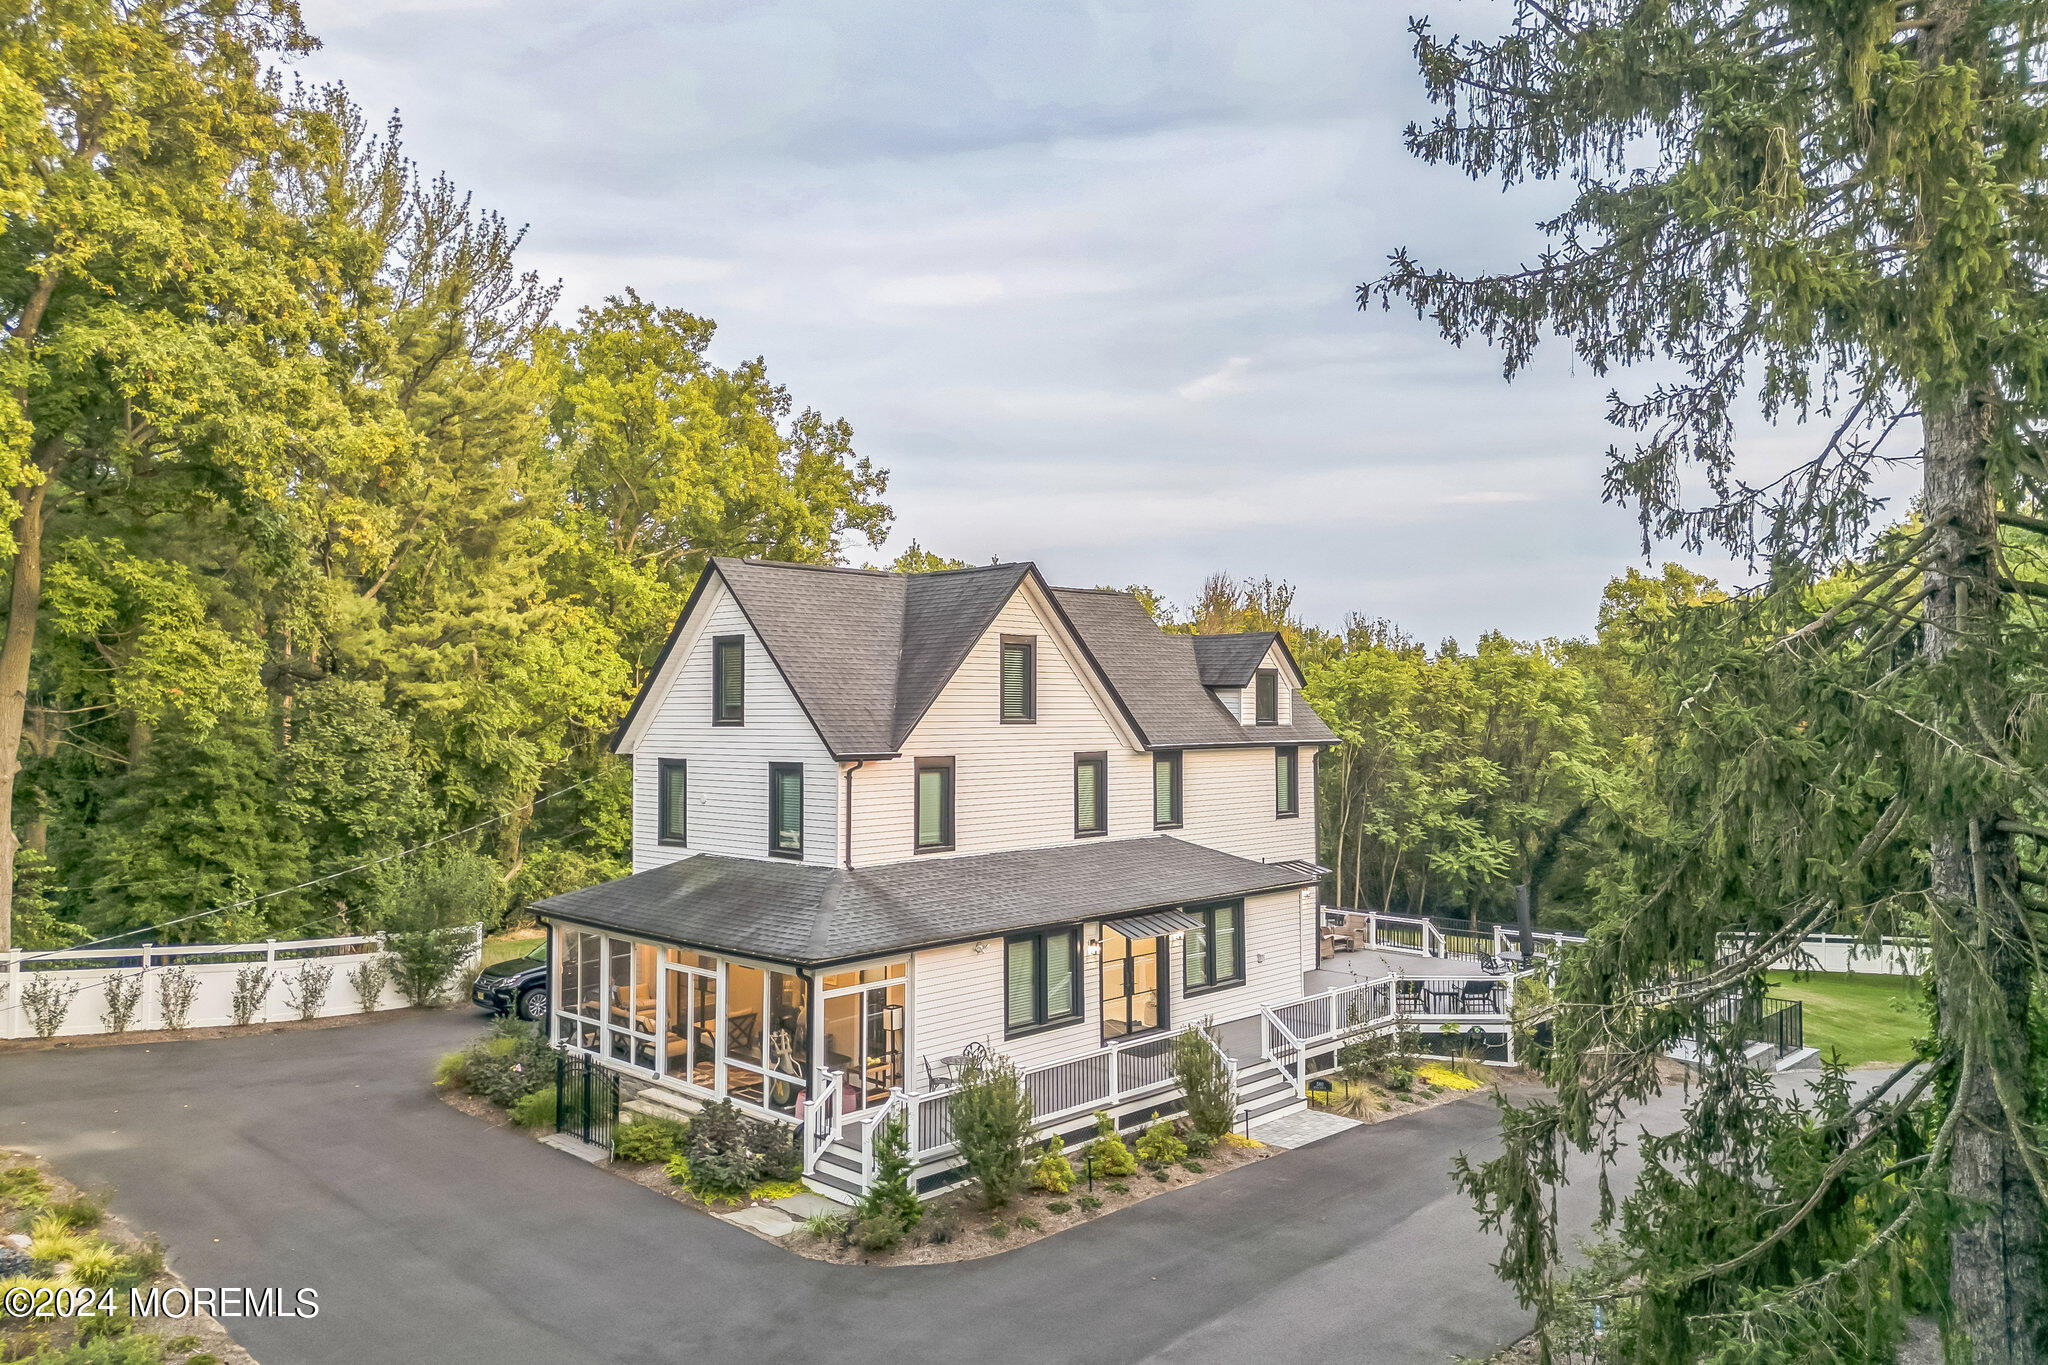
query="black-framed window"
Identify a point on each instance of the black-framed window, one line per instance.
(934, 805)
(729, 680)
(1212, 955)
(1166, 789)
(786, 810)
(1091, 794)
(1041, 980)
(1266, 697)
(1286, 781)
(1020, 679)
(672, 796)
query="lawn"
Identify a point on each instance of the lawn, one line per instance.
(516, 943)
(1856, 1018)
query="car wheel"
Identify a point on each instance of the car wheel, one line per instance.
(533, 1006)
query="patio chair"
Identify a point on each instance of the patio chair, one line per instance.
(1492, 965)
(1477, 998)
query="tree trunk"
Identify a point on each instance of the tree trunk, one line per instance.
(15, 648)
(1983, 977)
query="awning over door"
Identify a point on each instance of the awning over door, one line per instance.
(1153, 924)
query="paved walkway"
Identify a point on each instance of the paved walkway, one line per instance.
(323, 1159)
(1302, 1127)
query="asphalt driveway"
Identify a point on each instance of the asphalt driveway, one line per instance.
(323, 1159)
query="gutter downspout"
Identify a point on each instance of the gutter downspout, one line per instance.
(858, 764)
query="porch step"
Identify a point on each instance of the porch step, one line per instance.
(657, 1103)
(1805, 1059)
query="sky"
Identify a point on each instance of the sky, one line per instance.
(1080, 275)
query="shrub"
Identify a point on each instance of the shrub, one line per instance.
(1159, 1145)
(513, 1062)
(650, 1139)
(1053, 1172)
(1206, 1083)
(47, 1003)
(1027, 1222)
(123, 994)
(1059, 1206)
(431, 911)
(143, 1264)
(1089, 1203)
(23, 1185)
(678, 1169)
(252, 984)
(991, 1112)
(306, 989)
(77, 1213)
(824, 1227)
(719, 1163)
(370, 978)
(452, 1069)
(95, 1264)
(1364, 1054)
(1161, 1175)
(891, 1198)
(536, 1109)
(999, 1229)
(780, 1149)
(1117, 1187)
(175, 991)
(1107, 1154)
(879, 1231)
(1190, 1164)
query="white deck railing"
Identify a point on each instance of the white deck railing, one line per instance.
(1426, 938)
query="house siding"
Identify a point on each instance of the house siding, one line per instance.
(1228, 803)
(1246, 706)
(1013, 785)
(957, 993)
(728, 765)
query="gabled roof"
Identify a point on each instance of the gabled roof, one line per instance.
(866, 652)
(1159, 677)
(1230, 660)
(806, 914)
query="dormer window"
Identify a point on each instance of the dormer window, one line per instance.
(729, 680)
(1020, 679)
(1266, 697)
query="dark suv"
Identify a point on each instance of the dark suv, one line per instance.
(518, 985)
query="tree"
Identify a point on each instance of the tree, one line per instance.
(916, 559)
(1840, 212)
(150, 284)
(992, 1118)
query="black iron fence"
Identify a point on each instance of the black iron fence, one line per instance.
(1781, 1024)
(586, 1099)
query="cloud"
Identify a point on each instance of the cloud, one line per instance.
(1229, 377)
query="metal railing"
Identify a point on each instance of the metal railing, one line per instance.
(586, 1098)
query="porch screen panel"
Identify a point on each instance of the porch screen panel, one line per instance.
(587, 968)
(1023, 996)
(621, 982)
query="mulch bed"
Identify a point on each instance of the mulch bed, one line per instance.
(200, 1334)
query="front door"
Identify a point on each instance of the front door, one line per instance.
(692, 1009)
(864, 1038)
(1133, 985)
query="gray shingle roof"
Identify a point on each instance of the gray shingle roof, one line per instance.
(1159, 678)
(867, 652)
(1230, 660)
(808, 915)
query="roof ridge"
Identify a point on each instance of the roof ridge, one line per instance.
(754, 562)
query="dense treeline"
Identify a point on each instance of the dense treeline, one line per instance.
(328, 537)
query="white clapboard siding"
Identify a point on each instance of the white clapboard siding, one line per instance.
(957, 992)
(1013, 784)
(728, 764)
(1228, 800)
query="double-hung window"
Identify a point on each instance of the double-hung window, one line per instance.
(1041, 979)
(1266, 697)
(1091, 794)
(1212, 955)
(1019, 680)
(934, 805)
(672, 795)
(729, 680)
(1286, 781)
(1166, 789)
(786, 810)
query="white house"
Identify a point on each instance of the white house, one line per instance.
(881, 818)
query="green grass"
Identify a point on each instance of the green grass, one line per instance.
(498, 947)
(1856, 1018)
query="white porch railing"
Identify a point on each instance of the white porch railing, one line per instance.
(1289, 1033)
(1425, 938)
(821, 1118)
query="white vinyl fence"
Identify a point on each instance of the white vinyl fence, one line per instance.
(1847, 953)
(77, 982)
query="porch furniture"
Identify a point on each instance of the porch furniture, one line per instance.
(1493, 965)
(1477, 998)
